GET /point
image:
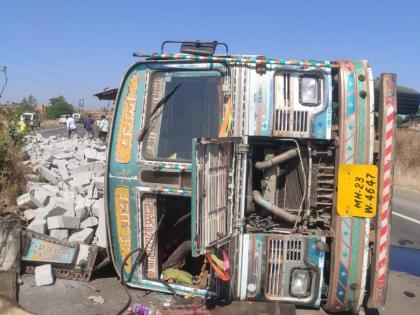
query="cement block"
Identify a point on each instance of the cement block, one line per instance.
(29, 214)
(63, 222)
(100, 233)
(92, 192)
(99, 147)
(26, 200)
(38, 225)
(62, 170)
(48, 175)
(91, 155)
(53, 190)
(78, 169)
(93, 167)
(101, 156)
(98, 207)
(44, 275)
(82, 179)
(77, 189)
(58, 206)
(78, 155)
(83, 236)
(89, 222)
(63, 156)
(41, 196)
(46, 164)
(81, 208)
(69, 200)
(99, 183)
(30, 185)
(61, 234)
(72, 164)
(41, 212)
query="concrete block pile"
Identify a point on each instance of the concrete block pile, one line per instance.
(66, 198)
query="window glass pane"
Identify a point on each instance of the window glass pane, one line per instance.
(193, 111)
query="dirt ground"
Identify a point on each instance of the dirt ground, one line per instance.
(72, 298)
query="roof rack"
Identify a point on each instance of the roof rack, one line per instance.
(201, 48)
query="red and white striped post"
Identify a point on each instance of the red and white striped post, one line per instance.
(387, 127)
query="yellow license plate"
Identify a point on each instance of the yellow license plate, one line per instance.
(357, 190)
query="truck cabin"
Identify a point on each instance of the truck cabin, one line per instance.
(225, 172)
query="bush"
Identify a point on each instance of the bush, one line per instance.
(12, 173)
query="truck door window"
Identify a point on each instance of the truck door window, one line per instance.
(193, 111)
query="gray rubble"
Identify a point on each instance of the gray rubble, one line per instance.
(65, 199)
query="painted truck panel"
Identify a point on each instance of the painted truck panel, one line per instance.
(263, 109)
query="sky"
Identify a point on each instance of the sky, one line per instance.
(80, 47)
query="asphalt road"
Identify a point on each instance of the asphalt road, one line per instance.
(405, 228)
(403, 296)
(60, 130)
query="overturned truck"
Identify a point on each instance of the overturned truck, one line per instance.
(251, 178)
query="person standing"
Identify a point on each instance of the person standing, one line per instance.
(71, 125)
(88, 124)
(22, 125)
(103, 128)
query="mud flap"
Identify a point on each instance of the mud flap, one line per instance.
(387, 126)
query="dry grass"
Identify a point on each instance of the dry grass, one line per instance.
(12, 172)
(407, 155)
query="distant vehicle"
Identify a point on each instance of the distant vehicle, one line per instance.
(78, 118)
(62, 119)
(32, 118)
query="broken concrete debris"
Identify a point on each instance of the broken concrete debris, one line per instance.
(38, 225)
(84, 236)
(44, 275)
(89, 222)
(63, 222)
(66, 199)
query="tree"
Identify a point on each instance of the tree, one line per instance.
(27, 105)
(58, 106)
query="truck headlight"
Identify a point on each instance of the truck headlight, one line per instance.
(309, 91)
(300, 284)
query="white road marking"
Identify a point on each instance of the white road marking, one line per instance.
(405, 217)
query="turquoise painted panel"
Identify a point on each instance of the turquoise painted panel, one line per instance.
(125, 174)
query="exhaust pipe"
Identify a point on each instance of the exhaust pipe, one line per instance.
(280, 212)
(276, 159)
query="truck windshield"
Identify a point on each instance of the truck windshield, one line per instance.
(193, 111)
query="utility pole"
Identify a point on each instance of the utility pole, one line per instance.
(4, 70)
(81, 105)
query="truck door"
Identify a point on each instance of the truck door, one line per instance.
(213, 192)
